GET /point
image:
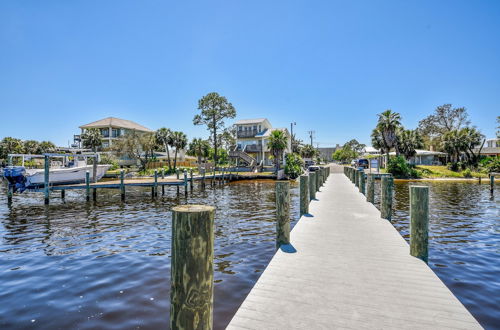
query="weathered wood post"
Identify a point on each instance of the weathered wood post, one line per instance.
(87, 185)
(46, 179)
(356, 177)
(185, 182)
(191, 182)
(203, 177)
(492, 183)
(318, 178)
(63, 194)
(162, 186)
(312, 185)
(94, 169)
(370, 188)
(177, 175)
(213, 177)
(282, 213)
(94, 194)
(419, 222)
(192, 272)
(304, 194)
(386, 197)
(155, 184)
(362, 182)
(122, 185)
(9, 194)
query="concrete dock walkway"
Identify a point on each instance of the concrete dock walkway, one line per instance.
(352, 269)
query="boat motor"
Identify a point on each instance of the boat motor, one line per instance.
(15, 175)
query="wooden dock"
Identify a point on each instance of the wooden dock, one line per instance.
(351, 269)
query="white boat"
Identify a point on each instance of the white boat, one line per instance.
(70, 170)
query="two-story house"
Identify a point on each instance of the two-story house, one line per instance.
(113, 128)
(252, 137)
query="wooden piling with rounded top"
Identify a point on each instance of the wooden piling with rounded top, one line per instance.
(203, 177)
(177, 175)
(9, 194)
(94, 194)
(191, 182)
(386, 191)
(362, 182)
(312, 185)
(185, 182)
(63, 194)
(370, 188)
(122, 185)
(492, 183)
(155, 185)
(304, 194)
(46, 182)
(192, 272)
(87, 185)
(318, 178)
(282, 213)
(419, 222)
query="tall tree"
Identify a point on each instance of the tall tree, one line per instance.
(179, 141)
(31, 146)
(389, 123)
(308, 151)
(408, 141)
(46, 146)
(92, 139)
(164, 138)
(444, 119)
(277, 144)
(139, 146)
(199, 148)
(214, 109)
(355, 145)
(10, 145)
(498, 127)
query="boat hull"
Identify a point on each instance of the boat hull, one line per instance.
(62, 176)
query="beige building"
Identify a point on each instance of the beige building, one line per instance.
(113, 128)
(490, 148)
(252, 136)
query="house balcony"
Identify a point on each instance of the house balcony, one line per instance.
(247, 134)
(253, 148)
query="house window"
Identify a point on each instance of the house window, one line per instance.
(116, 132)
(105, 144)
(255, 127)
(260, 128)
(240, 128)
(105, 132)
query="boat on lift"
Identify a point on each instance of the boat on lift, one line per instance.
(63, 169)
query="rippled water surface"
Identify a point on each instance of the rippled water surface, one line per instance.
(107, 265)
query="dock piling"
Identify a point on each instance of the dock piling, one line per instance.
(312, 185)
(492, 183)
(185, 182)
(177, 175)
(46, 179)
(317, 180)
(122, 185)
(155, 184)
(203, 177)
(9, 194)
(282, 213)
(304, 194)
(191, 179)
(370, 188)
(87, 185)
(386, 191)
(362, 182)
(419, 222)
(94, 194)
(192, 272)
(63, 194)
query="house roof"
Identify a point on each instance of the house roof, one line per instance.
(250, 121)
(268, 132)
(116, 122)
(371, 150)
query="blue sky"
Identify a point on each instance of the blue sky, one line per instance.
(329, 66)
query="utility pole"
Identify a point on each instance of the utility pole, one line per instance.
(311, 134)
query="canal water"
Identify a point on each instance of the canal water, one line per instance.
(107, 265)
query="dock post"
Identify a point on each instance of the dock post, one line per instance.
(46, 179)
(94, 169)
(356, 177)
(9, 194)
(492, 183)
(362, 182)
(191, 179)
(419, 222)
(317, 180)
(177, 174)
(185, 182)
(163, 186)
(370, 189)
(312, 185)
(213, 177)
(87, 185)
(191, 270)
(203, 177)
(122, 185)
(282, 213)
(304, 194)
(155, 186)
(63, 194)
(94, 194)
(386, 197)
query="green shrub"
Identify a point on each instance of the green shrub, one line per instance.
(399, 168)
(467, 173)
(294, 165)
(109, 159)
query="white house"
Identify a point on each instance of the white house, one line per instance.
(252, 136)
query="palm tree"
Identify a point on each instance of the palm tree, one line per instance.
(10, 145)
(46, 146)
(389, 123)
(92, 138)
(163, 137)
(277, 144)
(199, 148)
(308, 151)
(408, 141)
(179, 141)
(31, 146)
